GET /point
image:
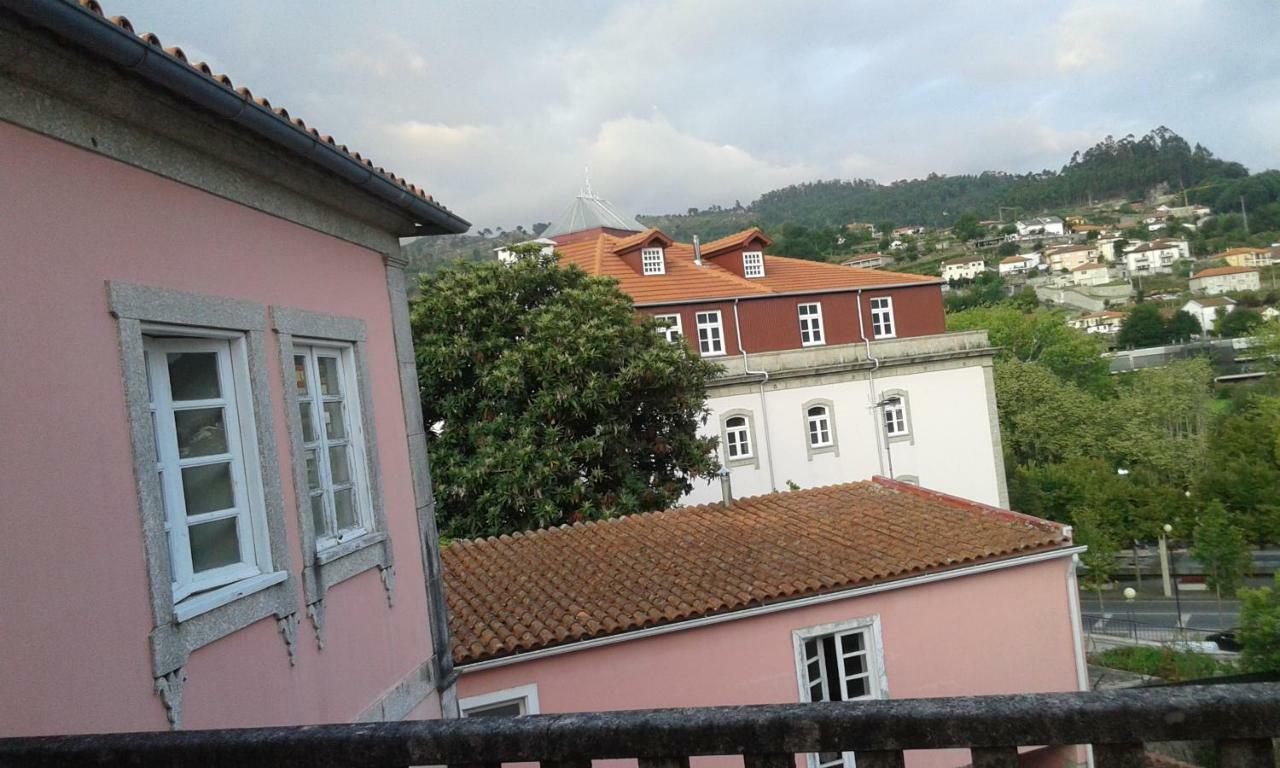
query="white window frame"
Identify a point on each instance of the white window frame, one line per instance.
(653, 261)
(812, 331)
(524, 695)
(743, 437)
(882, 325)
(878, 683)
(753, 263)
(712, 343)
(673, 331)
(819, 424)
(196, 593)
(355, 441)
(895, 418)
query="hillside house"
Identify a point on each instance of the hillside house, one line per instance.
(1014, 265)
(1065, 258)
(214, 453)
(1208, 309)
(826, 594)
(1248, 257)
(1105, 322)
(1090, 273)
(963, 268)
(869, 261)
(1216, 280)
(1047, 226)
(831, 373)
(1156, 257)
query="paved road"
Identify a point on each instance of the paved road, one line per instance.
(1199, 610)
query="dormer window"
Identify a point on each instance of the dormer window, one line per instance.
(652, 261)
(753, 264)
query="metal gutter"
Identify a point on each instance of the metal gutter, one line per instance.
(764, 405)
(762, 610)
(100, 37)
(817, 292)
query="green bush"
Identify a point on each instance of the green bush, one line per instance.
(1165, 663)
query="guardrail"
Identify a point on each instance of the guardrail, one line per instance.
(1241, 719)
(1136, 630)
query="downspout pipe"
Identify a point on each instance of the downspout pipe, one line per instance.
(764, 407)
(871, 382)
(102, 38)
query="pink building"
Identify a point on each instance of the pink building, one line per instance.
(216, 494)
(868, 590)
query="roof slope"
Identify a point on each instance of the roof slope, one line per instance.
(685, 280)
(589, 212)
(546, 588)
(85, 24)
(1216, 271)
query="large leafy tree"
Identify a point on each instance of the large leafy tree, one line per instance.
(1041, 337)
(1142, 328)
(1221, 548)
(549, 400)
(1260, 628)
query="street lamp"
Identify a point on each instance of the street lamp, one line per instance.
(1129, 594)
(1164, 559)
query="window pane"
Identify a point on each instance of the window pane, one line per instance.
(201, 432)
(334, 427)
(308, 425)
(300, 374)
(207, 488)
(313, 471)
(855, 688)
(328, 376)
(318, 522)
(338, 469)
(851, 643)
(214, 544)
(344, 509)
(511, 709)
(194, 375)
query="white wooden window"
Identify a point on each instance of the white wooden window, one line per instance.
(333, 442)
(753, 264)
(652, 261)
(895, 416)
(737, 438)
(882, 317)
(840, 662)
(710, 333)
(512, 702)
(206, 460)
(811, 331)
(669, 327)
(819, 418)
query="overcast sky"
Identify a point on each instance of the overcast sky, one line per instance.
(496, 108)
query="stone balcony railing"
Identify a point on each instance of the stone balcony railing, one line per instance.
(1242, 720)
(842, 357)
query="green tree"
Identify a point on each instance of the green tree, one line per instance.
(1144, 327)
(1260, 628)
(549, 401)
(1182, 326)
(1221, 549)
(1239, 322)
(966, 227)
(1040, 337)
(1100, 558)
(1007, 249)
(1242, 466)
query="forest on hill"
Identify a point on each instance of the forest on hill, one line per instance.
(1114, 168)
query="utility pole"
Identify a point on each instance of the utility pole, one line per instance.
(1245, 214)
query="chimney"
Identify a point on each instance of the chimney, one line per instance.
(726, 488)
(697, 251)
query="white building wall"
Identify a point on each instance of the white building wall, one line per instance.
(951, 446)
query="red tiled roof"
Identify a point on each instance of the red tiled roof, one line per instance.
(1217, 271)
(177, 54)
(686, 281)
(546, 588)
(1088, 265)
(736, 240)
(1240, 251)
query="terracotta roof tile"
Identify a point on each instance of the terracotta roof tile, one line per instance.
(177, 54)
(687, 281)
(541, 589)
(1216, 271)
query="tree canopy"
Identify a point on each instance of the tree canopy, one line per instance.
(548, 400)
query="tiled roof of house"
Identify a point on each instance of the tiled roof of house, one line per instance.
(1088, 265)
(536, 590)
(1070, 249)
(1218, 271)
(686, 281)
(1154, 246)
(964, 260)
(1240, 252)
(176, 54)
(736, 240)
(1213, 301)
(1013, 259)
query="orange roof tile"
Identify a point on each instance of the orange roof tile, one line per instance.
(1240, 251)
(540, 589)
(178, 55)
(1217, 271)
(1088, 265)
(686, 281)
(736, 240)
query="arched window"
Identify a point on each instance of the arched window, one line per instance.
(737, 438)
(895, 416)
(819, 418)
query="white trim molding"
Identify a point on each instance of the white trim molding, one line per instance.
(525, 695)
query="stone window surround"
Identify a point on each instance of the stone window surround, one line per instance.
(322, 570)
(910, 436)
(172, 642)
(754, 459)
(834, 448)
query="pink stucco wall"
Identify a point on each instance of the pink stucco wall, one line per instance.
(1006, 631)
(74, 611)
